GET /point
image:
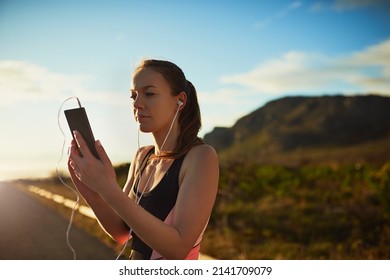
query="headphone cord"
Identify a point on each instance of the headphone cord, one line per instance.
(137, 201)
(76, 205)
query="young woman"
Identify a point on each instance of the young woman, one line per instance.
(167, 200)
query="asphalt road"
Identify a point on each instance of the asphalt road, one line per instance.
(31, 231)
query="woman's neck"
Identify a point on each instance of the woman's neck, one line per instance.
(166, 140)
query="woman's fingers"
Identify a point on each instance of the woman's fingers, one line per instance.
(82, 144)
(88, 169)
(102, 154)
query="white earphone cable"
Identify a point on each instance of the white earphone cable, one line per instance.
(63, 182)
(137, 201)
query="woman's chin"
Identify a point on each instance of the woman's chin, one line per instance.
(144, 128)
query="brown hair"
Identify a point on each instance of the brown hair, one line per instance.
(189, 117)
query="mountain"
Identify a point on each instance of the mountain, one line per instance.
(301, 130)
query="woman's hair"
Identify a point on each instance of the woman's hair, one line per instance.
(189, 117)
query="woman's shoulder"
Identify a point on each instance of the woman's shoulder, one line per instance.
(202, 152)
(203, 148)
(143, 151)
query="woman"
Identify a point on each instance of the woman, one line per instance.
(171, 188)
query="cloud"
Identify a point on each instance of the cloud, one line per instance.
(342, 5)
(224, 106)
(278, 15)
(22, 81)
(372, 67)
(215, 105)
(299, 72)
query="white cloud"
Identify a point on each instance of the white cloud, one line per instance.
(300, 72)
(215, 106)
(372, 67)
(22, 81)
(279, 14)
(225, 106)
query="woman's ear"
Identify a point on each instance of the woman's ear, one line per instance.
(182, 100)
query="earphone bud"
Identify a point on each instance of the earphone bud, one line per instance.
(180, 103)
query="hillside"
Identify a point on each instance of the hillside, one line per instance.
(309, 130)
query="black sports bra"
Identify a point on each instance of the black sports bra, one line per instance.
(159, 201)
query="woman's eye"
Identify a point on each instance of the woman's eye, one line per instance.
(149, 94)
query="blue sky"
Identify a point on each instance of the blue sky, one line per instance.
(238, 54)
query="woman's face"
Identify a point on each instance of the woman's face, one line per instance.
(154, 106)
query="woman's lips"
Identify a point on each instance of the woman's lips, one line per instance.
(141, 117)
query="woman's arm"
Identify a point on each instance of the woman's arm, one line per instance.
(198, 187)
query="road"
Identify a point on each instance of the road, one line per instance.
(31, 231)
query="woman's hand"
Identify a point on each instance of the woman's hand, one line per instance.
(89, 172)
(94, 179)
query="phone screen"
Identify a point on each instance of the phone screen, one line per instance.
(78, 120)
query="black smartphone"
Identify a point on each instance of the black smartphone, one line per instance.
(78, 120)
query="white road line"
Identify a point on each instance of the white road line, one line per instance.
(82, 209)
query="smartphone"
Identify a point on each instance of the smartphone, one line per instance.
(78, 120)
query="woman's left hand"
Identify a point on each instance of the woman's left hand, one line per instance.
(98, 175)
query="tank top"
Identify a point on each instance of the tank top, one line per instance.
(159, 201)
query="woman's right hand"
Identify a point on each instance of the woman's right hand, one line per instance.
(108, 219)
(80, 186)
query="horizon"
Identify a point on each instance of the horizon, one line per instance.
(239, 56)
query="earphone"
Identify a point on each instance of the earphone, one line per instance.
(180, 103)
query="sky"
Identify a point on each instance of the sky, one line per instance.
(238, 54)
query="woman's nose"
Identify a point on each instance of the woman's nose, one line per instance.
(138, 104)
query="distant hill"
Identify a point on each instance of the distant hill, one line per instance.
(309, 130)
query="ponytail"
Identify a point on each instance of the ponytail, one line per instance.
(189, 122)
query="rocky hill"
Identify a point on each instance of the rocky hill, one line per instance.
(301, 130)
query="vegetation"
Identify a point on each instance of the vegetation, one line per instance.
(318, 212)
